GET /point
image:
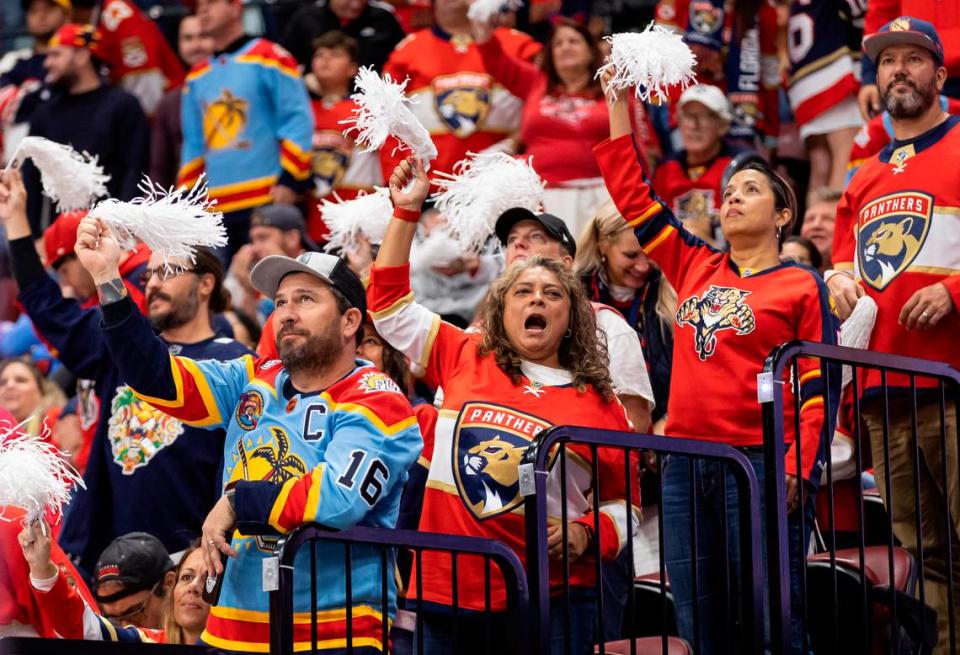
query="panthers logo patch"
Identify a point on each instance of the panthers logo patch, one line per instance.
(705, 17)
(249, 410)
(720, 308)
(891, 232)
(329, 161)
(488, 443)
(695, 203)
(462, 101)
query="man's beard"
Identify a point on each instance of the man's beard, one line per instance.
(180, 313)
(914, 104)
(65, 82)
(315, 353)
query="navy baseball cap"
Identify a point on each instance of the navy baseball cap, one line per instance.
(284, 218)
(554, 226)
(905, 30)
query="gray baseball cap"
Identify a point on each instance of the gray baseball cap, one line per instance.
(269, 271)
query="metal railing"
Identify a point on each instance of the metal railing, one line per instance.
(547, 456)
(386, 543)
(905, 404)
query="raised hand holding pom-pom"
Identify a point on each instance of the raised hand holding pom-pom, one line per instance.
(98, 250)
(409, 185)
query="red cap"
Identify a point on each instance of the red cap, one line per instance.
(60, 238)
(77, 36)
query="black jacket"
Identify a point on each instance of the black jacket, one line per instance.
(376, 30)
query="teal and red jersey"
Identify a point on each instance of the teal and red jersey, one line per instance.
(337, 457)
(728, 320)
(247, 124)
(485, 424)
(339, 168)
(898, 231)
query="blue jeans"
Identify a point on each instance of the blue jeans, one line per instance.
(716, 495)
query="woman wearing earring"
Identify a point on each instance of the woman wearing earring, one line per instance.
(734, 308)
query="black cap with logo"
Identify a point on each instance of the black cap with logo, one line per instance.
(554, 226)
(137, 559)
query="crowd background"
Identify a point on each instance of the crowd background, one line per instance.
(146, 90)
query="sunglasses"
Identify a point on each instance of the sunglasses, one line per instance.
(164, 273)
(134, 610)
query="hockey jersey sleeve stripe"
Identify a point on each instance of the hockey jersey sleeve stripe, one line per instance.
(280, 503)
(810, 375)
(294, 160)
(268, 62)
(190, 171)
(810, 402)
(646, 214)
(189, 381)
(392, 309)
(664, 234)
(313, 496)
(431, 340)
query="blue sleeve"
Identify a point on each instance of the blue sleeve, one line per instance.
(199, 393)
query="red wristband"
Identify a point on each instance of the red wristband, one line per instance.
(408, 215)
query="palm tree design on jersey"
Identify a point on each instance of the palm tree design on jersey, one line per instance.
(283, 465)
(223, 120)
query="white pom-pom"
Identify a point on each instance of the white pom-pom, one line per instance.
(172, 222)
(649, 61)
(383, 110)
(482, 11)
(437, 249)
(481, 188)
(367, 215)
(856, 330)
(33, 474)
(71, 179)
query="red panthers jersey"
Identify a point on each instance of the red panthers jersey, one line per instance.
(876, 134)
(453, 95)
(337, 166)
(898, 230)
(691, 191)
(485, 424)
(727, 322)
(141, 61)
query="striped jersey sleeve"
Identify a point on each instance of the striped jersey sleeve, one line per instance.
(661, 235)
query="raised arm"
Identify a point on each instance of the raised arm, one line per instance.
(407, 325)
(519, 77)
(74, 332)
(202, 394)
(660, 234)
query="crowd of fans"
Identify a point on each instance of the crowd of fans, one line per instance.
(766, 178)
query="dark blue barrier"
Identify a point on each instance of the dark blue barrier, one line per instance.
(388, 542)
(869, 587)
(549, 451)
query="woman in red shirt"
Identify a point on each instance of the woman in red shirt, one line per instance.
(564, 114)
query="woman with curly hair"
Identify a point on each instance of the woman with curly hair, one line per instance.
(536, 363)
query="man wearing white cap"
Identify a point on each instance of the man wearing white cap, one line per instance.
(689, 181)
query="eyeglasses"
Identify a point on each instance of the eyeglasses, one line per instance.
(164, 273)
(134, 610)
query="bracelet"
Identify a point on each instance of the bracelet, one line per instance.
(833, 272)
(408, 215)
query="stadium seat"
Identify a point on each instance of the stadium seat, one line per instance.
(647, 646)
(648, 609)
(913, 621)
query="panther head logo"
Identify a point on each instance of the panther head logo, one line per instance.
(496, 462)
(720, 308)
(464, 109)
(889, 245)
